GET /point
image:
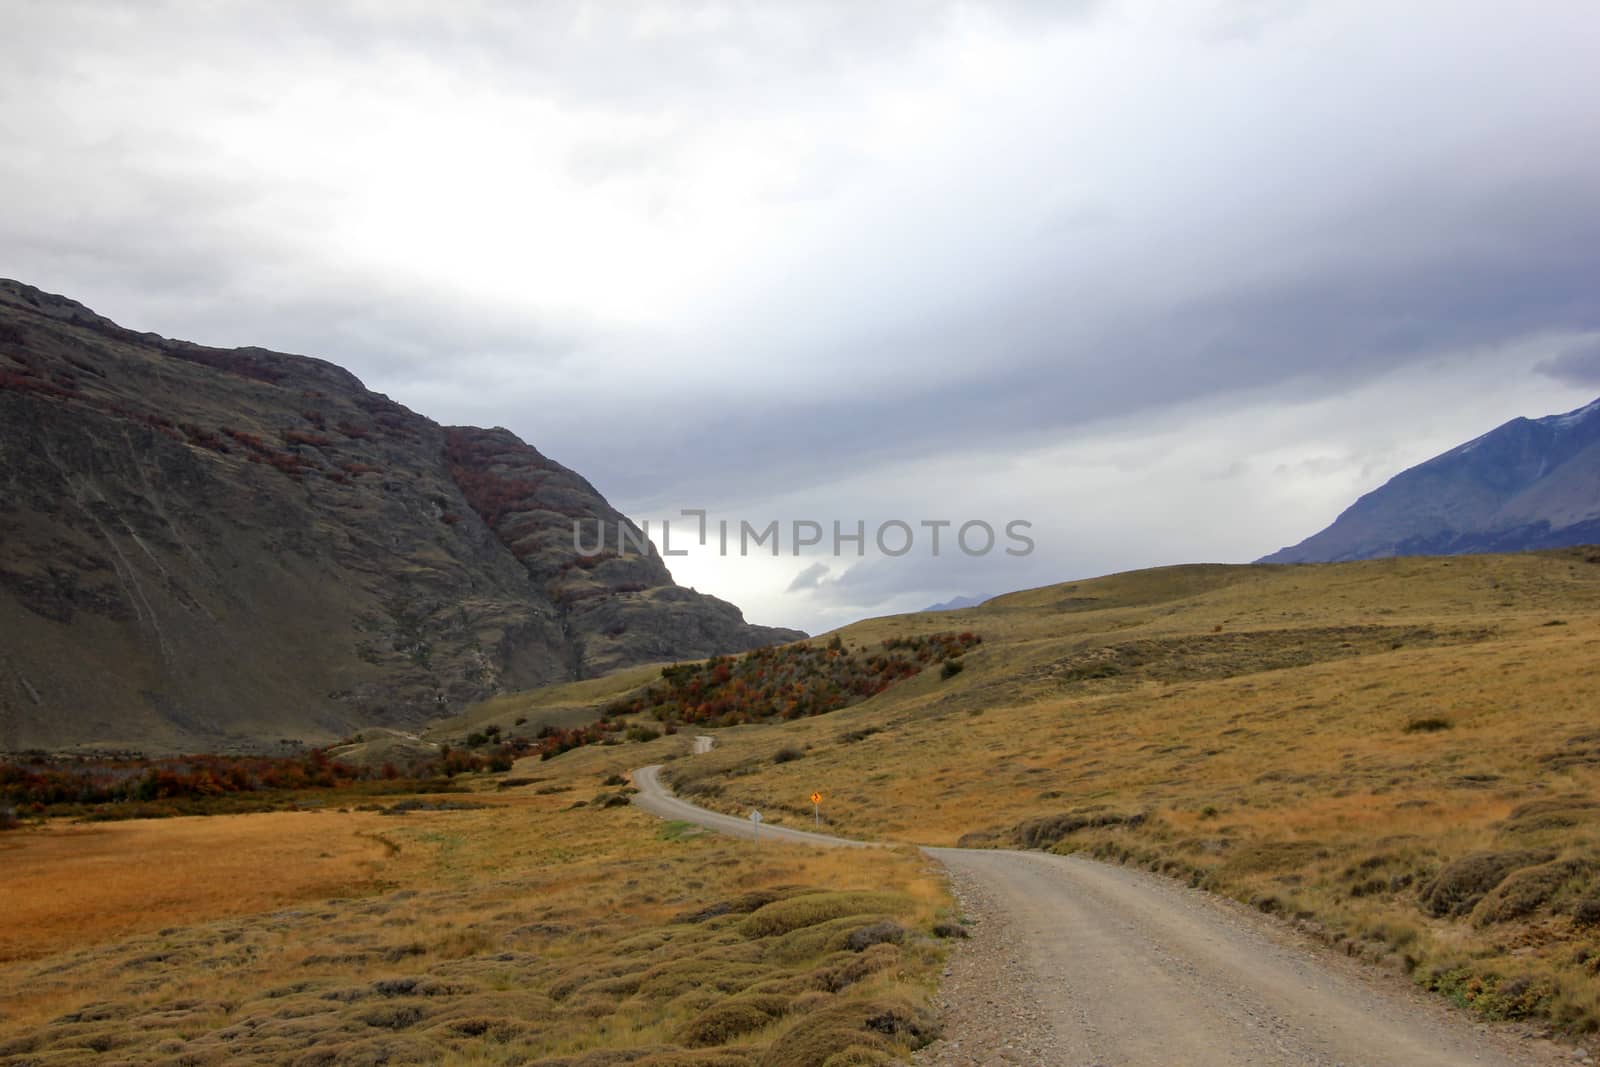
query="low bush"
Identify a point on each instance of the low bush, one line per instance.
(1046, 830)
(1491, 996)
(1428, 725)
(878, 933)
(856, 1032)
(1554, 813)
(732, 1018)
(1526, 891)
(1462, 883)
(808, 909)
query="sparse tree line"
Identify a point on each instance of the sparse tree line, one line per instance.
(40, 784)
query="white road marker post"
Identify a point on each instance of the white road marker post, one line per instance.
(755, 825)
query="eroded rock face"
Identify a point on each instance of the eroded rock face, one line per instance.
(208, 548)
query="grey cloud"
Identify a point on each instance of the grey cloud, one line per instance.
(1312, 233)
(809, 578)
(924, 579)
(1037, 366)
(1579, 365)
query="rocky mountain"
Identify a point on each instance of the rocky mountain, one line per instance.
(1532, 483)
(958, 602)
(213, 549)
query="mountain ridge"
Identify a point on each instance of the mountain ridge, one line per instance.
(221, 548)
(1526, 484)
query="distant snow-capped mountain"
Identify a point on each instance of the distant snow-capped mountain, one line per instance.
(1532, 483)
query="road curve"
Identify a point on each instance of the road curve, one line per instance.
(1133, 969)
(658, 800)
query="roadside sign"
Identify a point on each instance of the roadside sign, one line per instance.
(816, 798)
(816, 810)
(755, 823)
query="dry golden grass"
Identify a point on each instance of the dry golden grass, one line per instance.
(1255, 721)
(567, 704)
(68, 885)
(527, 930)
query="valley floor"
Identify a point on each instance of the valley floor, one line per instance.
(548, 923)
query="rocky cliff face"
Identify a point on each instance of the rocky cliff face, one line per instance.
(207, 548)
(1531, 483)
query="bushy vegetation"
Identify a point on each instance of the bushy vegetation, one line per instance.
(493, 494)
(787, 681)
(777, 683)
(123, 787)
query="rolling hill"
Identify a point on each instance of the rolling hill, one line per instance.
(1400, 755)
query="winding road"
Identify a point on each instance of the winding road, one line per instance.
(1128, 968)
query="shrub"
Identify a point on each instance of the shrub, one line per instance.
(1429, 725)
(878, 933)
(951, 668)
(1492, 997)
(1554, 813)
(1046, 830)
(808, 909)
(859, 1032)
(1526, 891)
(786, 682)
(721, 1023)
(743, 905)
(1460, 884)
(787, 754)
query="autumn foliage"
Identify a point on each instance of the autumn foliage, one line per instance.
(100, 786)
(472, 456)
(770, 684)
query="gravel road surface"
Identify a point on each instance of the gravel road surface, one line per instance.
(1081, 963)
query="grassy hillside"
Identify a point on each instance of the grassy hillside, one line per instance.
(1404, 754)
(564, 705)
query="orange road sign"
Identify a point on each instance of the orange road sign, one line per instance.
(816, 798)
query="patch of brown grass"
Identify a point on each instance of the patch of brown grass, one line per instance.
(517, 932)
(71, 885)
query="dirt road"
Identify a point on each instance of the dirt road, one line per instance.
(658, 800)
(1120, 967)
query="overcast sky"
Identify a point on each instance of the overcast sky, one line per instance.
(1170, 281)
